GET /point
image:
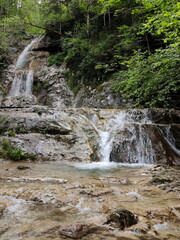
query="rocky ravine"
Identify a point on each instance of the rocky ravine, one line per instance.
(45, 123)
(47, 199)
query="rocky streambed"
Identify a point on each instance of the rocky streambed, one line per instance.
(56, 200)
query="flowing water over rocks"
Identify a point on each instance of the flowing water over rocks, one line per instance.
(56, 200)
(91, 178)
(126, 136)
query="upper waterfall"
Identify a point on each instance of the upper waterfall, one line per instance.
(22, 60)
(24, 76)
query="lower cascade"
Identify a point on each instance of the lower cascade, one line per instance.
(126, 140)
(130, 136)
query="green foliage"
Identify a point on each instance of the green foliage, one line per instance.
(56, 59)
(10, 28)
(11, 133)
(89, 60)
(137, 40)
(72, 81)
(152, 80)
(164, 21)
(8, 151)
(5, 144)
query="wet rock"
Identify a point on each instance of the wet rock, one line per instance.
(166, 178)
(54, 91)
(176, 212)
(3, 230)
(22, 167)
(21, 122)
(96, 193)
(74, 134)
(29, 179)
(160, 180)
(2, 208)
(122, 219)
(78, 231)
(149, 142)
(19, 101)
(164, 116)
(116, 180)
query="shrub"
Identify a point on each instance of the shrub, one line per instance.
(16, 154)
(152, 80)
(56, 59)
(8, 151)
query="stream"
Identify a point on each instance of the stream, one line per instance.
(46, 199)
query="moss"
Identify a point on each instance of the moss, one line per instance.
(20, 130)
(11, 133)
(3, 127)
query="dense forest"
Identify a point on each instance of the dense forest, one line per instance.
(133, 43)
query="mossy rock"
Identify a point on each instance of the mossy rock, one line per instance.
(121, 219)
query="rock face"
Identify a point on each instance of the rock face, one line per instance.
(137, 139)
(103, 96)
(90, 135)
(49, 85)
(52, 136)
(19, 101)
(51, 88)
(78, 231)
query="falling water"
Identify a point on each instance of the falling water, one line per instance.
(22, 61)
(125, 131)
(24, 76)
(29, 82)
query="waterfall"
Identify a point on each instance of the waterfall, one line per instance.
(22, 60)
(124, 136)
(105, 146)
(24, 76)
(29, 82)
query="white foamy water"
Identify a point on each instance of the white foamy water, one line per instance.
(29, 82)
(106, 165)
(16, 206)
(22, 83)
(135, 194)
(23, 58)
(131, 137)
(162, 226)
(105, 146)
(24, 76)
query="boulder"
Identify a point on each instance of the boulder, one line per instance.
(122, 219)
(77, 231)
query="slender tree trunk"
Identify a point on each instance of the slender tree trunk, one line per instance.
(104, 19)
(60, 28)
(88, 20)
(109, 15)
(147, 40)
